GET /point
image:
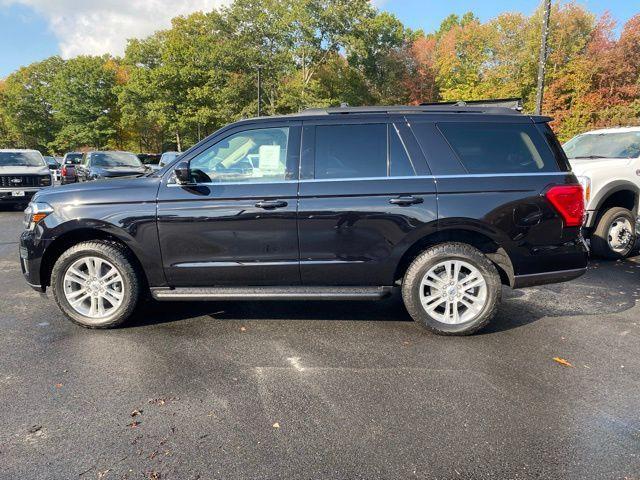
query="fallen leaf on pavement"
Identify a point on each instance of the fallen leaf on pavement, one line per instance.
(58, 385)
(133, 424)
(276, 425)
(243, 329)
(34, 428)
(562, 361)
(136, 412)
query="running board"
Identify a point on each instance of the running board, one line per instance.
(270, 293)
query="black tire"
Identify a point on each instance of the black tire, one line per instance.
(451, 251)
(600, 236)
(120, 258)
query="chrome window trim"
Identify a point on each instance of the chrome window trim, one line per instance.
(354, 179)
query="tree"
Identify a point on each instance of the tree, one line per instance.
(27, 104)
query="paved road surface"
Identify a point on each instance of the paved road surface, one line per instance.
(322, 390)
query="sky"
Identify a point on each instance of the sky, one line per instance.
(32, 30)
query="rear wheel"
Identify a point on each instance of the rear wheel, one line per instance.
(95, 284)
(452, 289)
(614, 236)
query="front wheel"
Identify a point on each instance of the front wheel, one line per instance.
(452, 289)
(615, 234)
(95, 284)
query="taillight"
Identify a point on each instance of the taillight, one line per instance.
(63, 172)
(568, 200)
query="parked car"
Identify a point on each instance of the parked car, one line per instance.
(448, 203)
(150, 160)
(109, 164)
(607, 163)
(54, 167)
(68, 173)
(72, 158)
(22, 174)
(167, 158)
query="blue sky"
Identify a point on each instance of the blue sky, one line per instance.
(31, 30)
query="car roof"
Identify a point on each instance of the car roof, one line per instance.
(16, 150)
(612, 130)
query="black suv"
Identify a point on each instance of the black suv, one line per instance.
(447, 203)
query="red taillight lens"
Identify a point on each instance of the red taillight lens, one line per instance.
(568, 200)
(63, 172)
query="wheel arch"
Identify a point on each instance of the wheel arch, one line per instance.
(79, 235)
(618, 193)
(487, 245)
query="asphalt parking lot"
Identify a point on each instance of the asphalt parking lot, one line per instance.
(322, 390)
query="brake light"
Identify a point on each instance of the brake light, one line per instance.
(568, 200)
(63, 172)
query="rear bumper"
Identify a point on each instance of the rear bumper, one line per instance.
(522, 281)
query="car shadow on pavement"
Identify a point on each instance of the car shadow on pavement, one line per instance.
(607, 287)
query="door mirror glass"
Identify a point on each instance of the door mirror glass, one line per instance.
(183, 173)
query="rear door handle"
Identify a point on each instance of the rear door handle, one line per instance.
(271, 204)
(404, 201)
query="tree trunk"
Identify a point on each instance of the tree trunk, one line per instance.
(179, 145)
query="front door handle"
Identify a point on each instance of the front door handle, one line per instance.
(404, 201)
(271, 204)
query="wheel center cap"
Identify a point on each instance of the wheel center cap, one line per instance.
(452, 291)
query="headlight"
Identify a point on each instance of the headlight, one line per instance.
(35, 212)
(45, 180)
(586, 187)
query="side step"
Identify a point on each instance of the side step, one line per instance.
(271, 293)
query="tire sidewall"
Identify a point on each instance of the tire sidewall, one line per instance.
(58, 274)
(601, 235)
(411, 294)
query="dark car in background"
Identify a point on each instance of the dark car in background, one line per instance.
(445, 203)
(109, 164)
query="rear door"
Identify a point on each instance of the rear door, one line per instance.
(365, 191)
(237, 224)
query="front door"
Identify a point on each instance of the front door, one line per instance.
(236, 225)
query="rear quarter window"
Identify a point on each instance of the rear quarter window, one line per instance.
(499, 148)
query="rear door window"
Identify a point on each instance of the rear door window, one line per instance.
(499, 148)
(351, 151)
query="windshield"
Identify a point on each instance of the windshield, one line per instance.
(115, 159)
(604, 145)
(21, 159)
(73, 158)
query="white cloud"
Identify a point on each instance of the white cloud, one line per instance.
(103, 26)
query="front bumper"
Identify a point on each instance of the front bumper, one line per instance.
(31, 251)
(7, 195)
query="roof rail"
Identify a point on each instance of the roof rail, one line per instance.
(486, 107)
(513, 103)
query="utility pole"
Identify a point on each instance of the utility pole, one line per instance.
(542, 62)
(259, 90)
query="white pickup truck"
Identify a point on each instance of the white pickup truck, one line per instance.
(607, 163)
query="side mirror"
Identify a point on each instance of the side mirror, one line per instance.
(183, 173)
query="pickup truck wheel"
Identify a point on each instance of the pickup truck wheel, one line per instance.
(95, 284)
(614, 236)
(452, 289)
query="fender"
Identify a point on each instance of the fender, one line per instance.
(605, 192)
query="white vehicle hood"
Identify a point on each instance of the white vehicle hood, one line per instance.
(587, 166)
(13, 170)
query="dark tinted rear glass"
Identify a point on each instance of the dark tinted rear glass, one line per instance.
(499, 148)
(351, 151)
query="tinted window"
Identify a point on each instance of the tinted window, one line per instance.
(399, 162)
(499, 148)
(115, 159)
(258, 155)
(351, 151)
